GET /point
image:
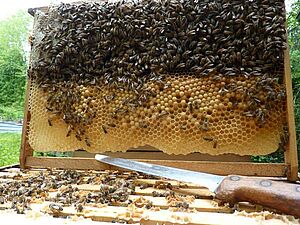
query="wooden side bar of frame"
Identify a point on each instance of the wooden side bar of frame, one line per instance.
(25, 149)
(291, 156)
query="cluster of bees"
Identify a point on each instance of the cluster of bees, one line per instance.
(59, 188)
(74, 104)
(124, 43)
(133, 47)
(21, 192)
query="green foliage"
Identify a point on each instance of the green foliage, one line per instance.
(296, 88)
(11, 113)
(9, 148)
(293, 26)
(54, 154)
(276, 157)
(295, 62)
(294, 39)
(13, 64)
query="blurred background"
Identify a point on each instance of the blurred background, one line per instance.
(15, 28)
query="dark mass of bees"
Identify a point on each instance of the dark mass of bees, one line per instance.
(182, 76)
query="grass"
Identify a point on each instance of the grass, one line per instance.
(9, 148)
(11, 113)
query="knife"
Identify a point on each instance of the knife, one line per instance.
(283, 197)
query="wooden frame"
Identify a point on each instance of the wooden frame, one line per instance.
(217, 165)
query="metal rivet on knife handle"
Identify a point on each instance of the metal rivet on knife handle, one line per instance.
(265, 183)
(235, 178)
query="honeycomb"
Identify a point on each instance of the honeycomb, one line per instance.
(190, 115)
(183, 77)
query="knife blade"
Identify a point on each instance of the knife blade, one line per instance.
(202, 179)
(283, 197)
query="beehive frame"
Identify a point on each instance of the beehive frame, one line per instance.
(218, 165)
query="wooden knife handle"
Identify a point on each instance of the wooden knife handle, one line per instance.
(281, 196)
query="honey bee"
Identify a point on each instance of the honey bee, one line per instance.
(79, 208)
(50, 122)
(69, 129)
(55, 207)
(208, 138)
(104, 129)
(78, 135)
(87, 142)
(143, 125)
(162, 114)
(204, 125)
(190, 106)
(215, 144)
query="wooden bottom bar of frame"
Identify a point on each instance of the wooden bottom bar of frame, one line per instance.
(159, 155)
(220, 168)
